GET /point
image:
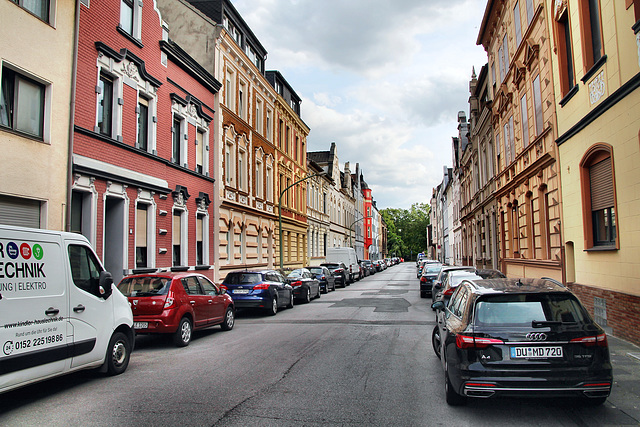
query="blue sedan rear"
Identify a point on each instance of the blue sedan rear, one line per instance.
(265, 289)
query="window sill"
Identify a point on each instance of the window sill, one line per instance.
(594, 69)
(180, 268)
(129, 36)
(569, 95)
(636, 28)
(23, 134)
(602, 248)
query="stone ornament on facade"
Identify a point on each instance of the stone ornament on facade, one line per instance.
(130, 70)
(597, 88)
(231, 195)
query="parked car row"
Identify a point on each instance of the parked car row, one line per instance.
(499, 336)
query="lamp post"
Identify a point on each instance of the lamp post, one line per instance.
(280, 209)
(351, 228)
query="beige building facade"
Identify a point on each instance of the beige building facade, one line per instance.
(596, 75)
(515, 35)
(36, 70)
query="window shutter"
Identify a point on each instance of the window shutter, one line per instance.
(177, 237)
(19, 212)
(601, 181)
(141, 227)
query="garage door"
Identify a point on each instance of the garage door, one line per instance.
(20, 212)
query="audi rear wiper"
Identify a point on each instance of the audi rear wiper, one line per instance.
(545, 323)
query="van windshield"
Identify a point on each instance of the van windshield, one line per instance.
(144, 286)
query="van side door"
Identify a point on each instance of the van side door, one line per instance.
(33, 309)
(90, 315)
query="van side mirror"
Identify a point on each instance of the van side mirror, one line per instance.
(104, 284)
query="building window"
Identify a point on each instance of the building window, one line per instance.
(259, 117)
(286, 141)
(537, 105)
(516, 20)
(242, 161)
(525, 120)
(105, 105)
(200, 150)
(565, 53)
(242, 93)
(599, 204)
(200, 239)
(141, 236)
(545, 235)
(22, 102)
(176, 148)
(177, 238)
(268, 126)
(280, 133)
(259, 185)
(229, 93)
(514, 229)
(269, 179)
(143, 123)
(39, 8)
(126, 16)
(591, 32)
(229, 163)
(530, 11)
(228, 247)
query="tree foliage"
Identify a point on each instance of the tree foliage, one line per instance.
(407, 230)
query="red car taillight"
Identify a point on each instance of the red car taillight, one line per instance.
(463, 341)
(338, 270)
(599, 340)
(296, 283)
(168, 303)
(260, 286)
(224, 287)
(423, 279)
(448, 291)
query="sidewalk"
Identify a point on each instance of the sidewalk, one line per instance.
(625, 395)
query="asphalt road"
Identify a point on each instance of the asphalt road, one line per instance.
(360, 356)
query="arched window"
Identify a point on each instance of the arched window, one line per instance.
(597, 181)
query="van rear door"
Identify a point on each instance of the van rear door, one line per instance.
(33, 307)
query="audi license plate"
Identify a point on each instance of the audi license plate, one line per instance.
(536, 352)
(241, 291)
(140, 325)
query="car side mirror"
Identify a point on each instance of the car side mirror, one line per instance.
(104, 284)
(438, 305)
(437, 285)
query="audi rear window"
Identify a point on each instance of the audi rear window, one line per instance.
(243, 278)
(529, 310)
(144, 286)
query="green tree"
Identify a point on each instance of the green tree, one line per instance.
(407, 229)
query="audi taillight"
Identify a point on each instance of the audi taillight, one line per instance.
(260, 286)
(464, 341)
(599, 340)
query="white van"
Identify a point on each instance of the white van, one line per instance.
(348, 257)
(58, 310)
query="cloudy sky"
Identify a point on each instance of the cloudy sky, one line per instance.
(383, 79)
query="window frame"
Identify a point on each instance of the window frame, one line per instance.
(589, 40)
(46, 16)
(597, 153)
(13, 116)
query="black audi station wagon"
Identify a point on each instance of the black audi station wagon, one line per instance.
(523, 338)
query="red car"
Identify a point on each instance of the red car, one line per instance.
(177, 303)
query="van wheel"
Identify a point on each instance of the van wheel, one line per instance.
(229, 320)
(182, 336)
(118, 354)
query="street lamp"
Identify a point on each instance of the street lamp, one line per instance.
(280, 210)
(351, 228)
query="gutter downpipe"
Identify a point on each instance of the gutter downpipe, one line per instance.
(72, 110)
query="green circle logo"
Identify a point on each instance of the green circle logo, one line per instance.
(37, 252)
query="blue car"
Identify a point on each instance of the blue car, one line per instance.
(325, 278)
(267, 290)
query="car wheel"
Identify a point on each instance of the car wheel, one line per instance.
(307, 296)
(435, 341)
(118, 354)
(182, 336)
(452, 397)
(229, 320)
(290, 305)
(273, 308)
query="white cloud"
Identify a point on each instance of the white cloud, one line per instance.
(384, 79)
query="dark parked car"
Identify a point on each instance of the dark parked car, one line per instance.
(304, 283)
(364, 269)
(368, 264)
(520, 337)
(339, 271)
(444, 271)
(429, 274)
(325, 278)
(451, 282)
(176, 303)
(264, 289)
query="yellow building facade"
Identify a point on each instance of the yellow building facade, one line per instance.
(596, 75)
(36, 68)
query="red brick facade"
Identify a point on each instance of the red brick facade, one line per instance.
(112, 174)
(622, 310)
